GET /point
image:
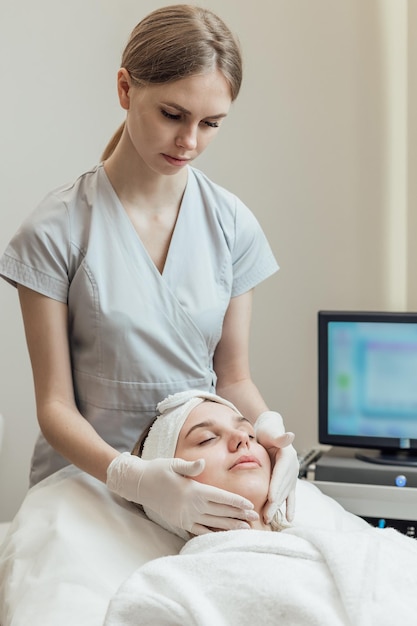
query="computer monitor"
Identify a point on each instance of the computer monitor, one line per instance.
(367, 384)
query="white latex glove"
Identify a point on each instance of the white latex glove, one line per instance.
(270, 432)
(161, 485)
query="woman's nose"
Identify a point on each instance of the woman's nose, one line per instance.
(239, 439)
(187, 137)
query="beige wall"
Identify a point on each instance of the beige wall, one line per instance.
(320, 145)
(411, 160)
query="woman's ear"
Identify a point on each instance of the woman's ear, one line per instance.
(124, 83)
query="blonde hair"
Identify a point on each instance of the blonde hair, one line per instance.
(177, 41)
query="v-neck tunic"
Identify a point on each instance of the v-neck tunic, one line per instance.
(136, 334)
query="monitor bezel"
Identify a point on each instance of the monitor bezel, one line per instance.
(357, 441)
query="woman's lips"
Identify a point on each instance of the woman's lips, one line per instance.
(246, 462)
(178, 162)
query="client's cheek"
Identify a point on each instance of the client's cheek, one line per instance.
(202, 478)
(198, 479)
(207, 477)
(265, 459)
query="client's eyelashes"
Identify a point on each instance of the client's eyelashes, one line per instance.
(213, 437)
(201, 443)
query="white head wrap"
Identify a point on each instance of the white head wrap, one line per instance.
(162, 438)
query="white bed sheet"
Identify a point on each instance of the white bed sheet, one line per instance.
(72, 544)
(68, 549)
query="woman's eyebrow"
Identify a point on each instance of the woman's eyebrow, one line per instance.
(174, 105)
(209, 424)
(240, 418)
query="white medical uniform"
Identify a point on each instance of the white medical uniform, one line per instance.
(136, 335)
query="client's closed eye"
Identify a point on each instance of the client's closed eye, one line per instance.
(207, 440)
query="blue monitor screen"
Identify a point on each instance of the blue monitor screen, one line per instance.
(373, 379)
(368, 379)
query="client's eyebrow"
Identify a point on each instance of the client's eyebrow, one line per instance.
(209, 424)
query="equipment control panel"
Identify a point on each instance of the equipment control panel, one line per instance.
(382, 497)
(381, 506)
(406, 527)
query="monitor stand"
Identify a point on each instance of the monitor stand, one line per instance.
(389, 457)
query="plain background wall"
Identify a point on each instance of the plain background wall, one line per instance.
(318, 144)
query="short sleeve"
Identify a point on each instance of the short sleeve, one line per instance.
(252, 257)
(248, 258)
(37, 256)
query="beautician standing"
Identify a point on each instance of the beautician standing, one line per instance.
(135, 282)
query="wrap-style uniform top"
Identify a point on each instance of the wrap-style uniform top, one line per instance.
(136, 335)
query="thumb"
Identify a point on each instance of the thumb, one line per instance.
(188, 468)
(279, 441)
(284, 440)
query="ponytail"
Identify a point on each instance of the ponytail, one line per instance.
(111, 146)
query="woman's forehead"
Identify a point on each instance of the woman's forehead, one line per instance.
(209, 90)
(214, 412)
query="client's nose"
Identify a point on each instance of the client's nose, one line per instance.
(238, 439)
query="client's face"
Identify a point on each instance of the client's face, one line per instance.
(235, 461)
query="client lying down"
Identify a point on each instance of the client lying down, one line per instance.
(359, 576)
(198, 425)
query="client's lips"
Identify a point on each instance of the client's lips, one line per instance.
(246, 461)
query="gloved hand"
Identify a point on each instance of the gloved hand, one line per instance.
(270, 433)
(161, 485)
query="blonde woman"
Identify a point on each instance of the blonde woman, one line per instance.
(136, 280)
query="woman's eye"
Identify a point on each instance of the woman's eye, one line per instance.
(212, 124)
(170, 116)
(202, 443)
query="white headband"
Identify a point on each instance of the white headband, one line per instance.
(162, 438)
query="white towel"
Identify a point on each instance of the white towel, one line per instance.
(162, 438)
(302, 576)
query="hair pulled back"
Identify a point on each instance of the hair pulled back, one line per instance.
(177, 41)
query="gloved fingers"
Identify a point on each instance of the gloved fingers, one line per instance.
(284, 474)
(213, 500)
(269, 422)
(278, 441)
(284, 440)
(207, 495)
(272, 507)
(280, 486)
(290, 506)
(199, 529)
(161, 486)
(283, 481)
(269, 511)
(212, 523)
(188, 468)
(226, 512)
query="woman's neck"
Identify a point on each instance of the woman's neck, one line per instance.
(138, 186)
